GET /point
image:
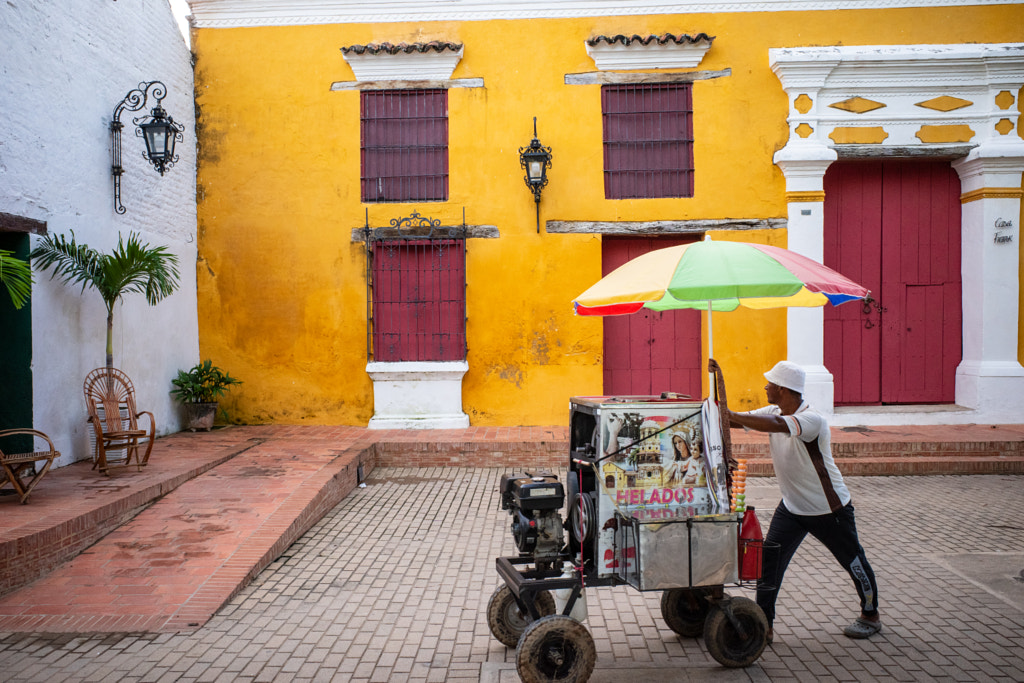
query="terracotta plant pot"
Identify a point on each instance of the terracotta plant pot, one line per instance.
(200, 415)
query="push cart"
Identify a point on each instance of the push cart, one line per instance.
(644, 508)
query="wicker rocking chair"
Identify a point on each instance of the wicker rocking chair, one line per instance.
(110, 396)
(23, 470)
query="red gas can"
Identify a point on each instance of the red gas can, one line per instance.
(750, 546)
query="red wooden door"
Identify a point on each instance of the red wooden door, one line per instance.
(894, 226)
(649, 352)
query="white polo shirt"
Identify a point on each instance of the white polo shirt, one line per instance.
(809, 479)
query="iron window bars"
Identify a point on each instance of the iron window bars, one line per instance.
(648, 140)
(416, 290)
(404, 145)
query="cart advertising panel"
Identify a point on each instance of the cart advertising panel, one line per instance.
(654, 476)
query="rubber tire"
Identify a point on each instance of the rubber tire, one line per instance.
(506, 621)
(556, 648)
(721, 638)
(685, 610)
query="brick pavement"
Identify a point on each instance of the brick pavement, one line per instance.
(171, 565)
(391, 585)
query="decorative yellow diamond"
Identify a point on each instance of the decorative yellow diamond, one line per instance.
(803, 130)
(802, 103)
(857, 105)
(945, 103)
(1004, 126)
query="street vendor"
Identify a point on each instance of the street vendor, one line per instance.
(815, 499)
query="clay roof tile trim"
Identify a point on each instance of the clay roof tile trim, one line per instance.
(681, 39)
(408, 48)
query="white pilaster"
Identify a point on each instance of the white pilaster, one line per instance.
(804, 166)
(990, 378)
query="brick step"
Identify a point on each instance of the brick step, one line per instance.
(855, 459)
(902, 449)
(899, 466)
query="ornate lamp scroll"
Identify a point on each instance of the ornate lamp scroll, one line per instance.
(157, 129)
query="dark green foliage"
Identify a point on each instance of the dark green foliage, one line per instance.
(205, 383)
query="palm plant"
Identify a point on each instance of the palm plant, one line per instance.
(133, 267)
(16, 275)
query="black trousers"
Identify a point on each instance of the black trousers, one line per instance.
(837, 532)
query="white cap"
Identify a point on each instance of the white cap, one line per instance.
(788, 375)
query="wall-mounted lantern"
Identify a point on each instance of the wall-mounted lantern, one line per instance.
(536, 160)
(157, 129)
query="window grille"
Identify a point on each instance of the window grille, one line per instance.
(404, 145)
(648, 140)
(416, 275)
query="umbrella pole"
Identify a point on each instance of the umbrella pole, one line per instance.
(711, 354)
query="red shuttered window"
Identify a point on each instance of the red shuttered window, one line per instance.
(419, 300)
(648, 140)
(404, 145)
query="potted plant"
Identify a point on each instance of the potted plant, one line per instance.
(199, 390)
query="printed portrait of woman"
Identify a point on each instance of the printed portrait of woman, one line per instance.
(685, 468)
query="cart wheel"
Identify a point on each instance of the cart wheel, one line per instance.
(723, 640)
(506, 621)
(685, 609)
(555, 648)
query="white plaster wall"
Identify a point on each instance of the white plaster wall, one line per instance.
(64, 67)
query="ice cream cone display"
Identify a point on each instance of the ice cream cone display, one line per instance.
(739, 487)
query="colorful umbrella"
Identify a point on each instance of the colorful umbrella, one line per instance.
(717, 276)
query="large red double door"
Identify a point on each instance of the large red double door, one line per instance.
(894, 226)
(649, 352)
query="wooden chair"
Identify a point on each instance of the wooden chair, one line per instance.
(110, 397)
(20, 468)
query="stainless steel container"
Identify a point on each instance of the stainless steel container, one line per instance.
(678, 553)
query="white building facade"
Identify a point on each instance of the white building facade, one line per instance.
(66, 67)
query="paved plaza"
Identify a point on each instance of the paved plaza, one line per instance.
(392, 585)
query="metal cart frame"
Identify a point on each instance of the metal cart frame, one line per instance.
(553, 645)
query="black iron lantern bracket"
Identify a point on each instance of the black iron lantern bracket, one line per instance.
(535, 160)
(157, 129)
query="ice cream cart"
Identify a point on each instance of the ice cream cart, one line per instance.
(647, 505)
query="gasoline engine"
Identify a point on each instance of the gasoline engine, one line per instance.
(533, 501)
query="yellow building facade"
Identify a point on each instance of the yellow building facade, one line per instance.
(282, 271)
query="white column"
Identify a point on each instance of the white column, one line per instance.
(989, 378)
(804, 166)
